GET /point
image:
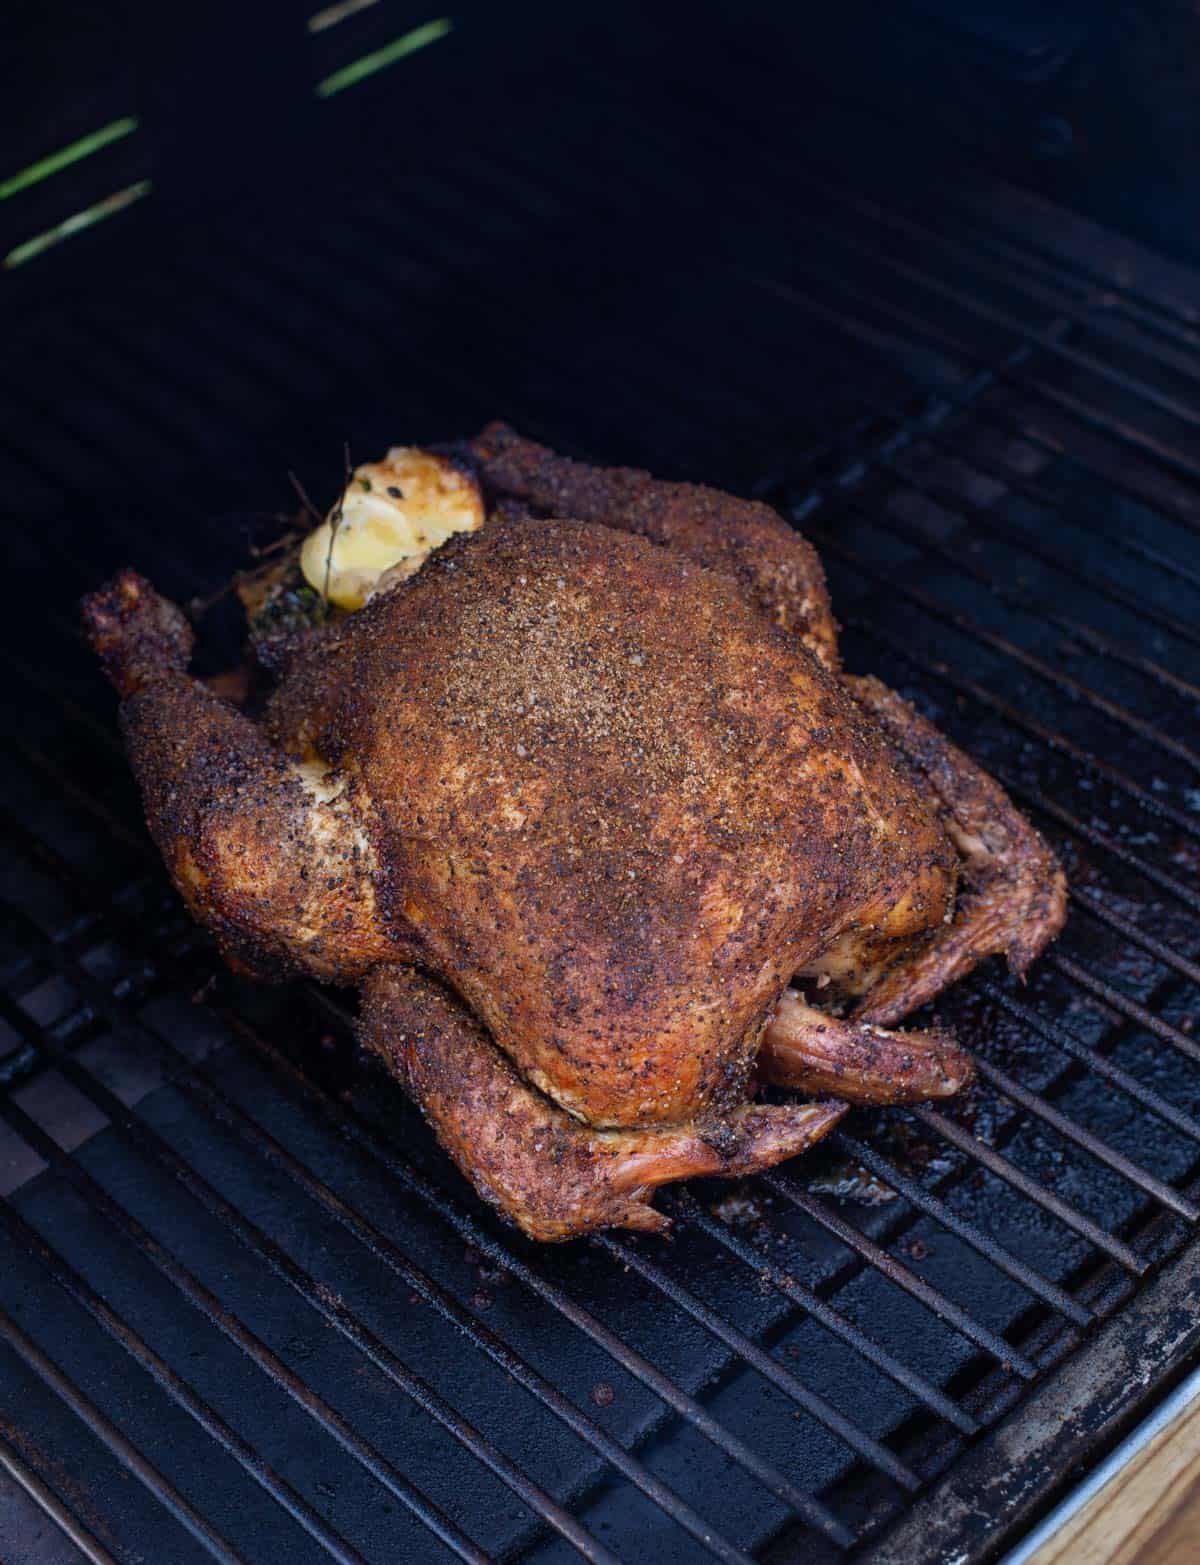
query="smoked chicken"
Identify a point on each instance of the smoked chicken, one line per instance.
(583, 803)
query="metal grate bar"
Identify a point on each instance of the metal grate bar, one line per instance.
(669, 391)
(141, 1135)
(323, 241)
(1043, 1110)
(1163, 314)
(926, 332)
(1036, 800)
(40, 761)
(835, 1323)
(1062, 1038)
(1078, 630)
(196, 1082)
(863, 1444)
(928, 424)
(900, 528)
(981, 381)
(214, 345)
(1143, 664)
(986, 519)
(1166, 315)
(45, 1498)
(1084, 316)
(1069, 687)
(665, 400)
(60, 419)
(139, 1350)
(762, 1266)
(999, 1165)
(1099, 1149)
(975, 390)
(991, 1250)
(360, 1134)
(1169, 316)
(110, 456)
(767, 1366)
(634, 1363)
(903, 1276)
(926, 335)
(182, 436)
(1090, 903)
(109, 1435)
(1083, 979)
(1044, 339)
(1170, 313)
(1051, 738)
(386, 1251)
(193, 392)
(914, 428)
(930, 239)
(1012, 424)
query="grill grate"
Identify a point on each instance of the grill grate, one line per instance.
(251, 1314)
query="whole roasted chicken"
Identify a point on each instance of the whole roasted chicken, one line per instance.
(584, 804)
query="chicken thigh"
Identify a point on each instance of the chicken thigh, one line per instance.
(574, 803)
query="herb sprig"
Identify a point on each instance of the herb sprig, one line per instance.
(335, 517)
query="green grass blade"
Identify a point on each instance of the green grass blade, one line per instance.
(57, 161)
(398, 49)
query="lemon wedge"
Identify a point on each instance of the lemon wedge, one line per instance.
(390, 518)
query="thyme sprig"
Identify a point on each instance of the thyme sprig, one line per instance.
(302, 496)
(335, 519)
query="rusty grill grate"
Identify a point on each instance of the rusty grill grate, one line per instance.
(248, 1312)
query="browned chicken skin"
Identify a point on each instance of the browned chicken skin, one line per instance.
(776, 568)
(600, 781)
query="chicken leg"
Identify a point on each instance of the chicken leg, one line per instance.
(813, 1052)
(549, 1173)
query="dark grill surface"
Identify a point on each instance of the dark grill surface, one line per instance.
(248, 1310)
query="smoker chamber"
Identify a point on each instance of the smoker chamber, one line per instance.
(248, 1311)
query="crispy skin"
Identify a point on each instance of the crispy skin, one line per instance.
(814, 1052)
(778, 569)
(285, 879)
(1014, 900)
(550, 1175)
(617, 832)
